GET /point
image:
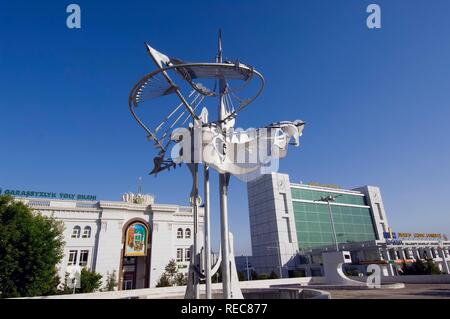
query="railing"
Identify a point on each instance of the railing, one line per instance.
(45, 203)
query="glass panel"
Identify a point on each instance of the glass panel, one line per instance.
(313, 223)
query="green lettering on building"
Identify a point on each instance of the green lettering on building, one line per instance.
(49, 195)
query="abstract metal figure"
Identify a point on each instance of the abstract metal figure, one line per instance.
(185, 135)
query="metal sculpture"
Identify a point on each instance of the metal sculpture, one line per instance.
(185, 135)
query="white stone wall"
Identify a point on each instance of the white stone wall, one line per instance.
(107, 220)
(72, 216)
(375, 201)
(272, 223)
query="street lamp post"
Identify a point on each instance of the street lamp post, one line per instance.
(279, 260)
(330, 199)
(248, 269)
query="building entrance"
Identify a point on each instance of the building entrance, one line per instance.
(135, 265)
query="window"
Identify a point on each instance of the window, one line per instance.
(84, 254)
(179, 254)
(313, 225)
(422, 253)
(406, 253)
(285, 203)
(72, 257)
(187, 233)
(129, 261)
(87, 232)
(187, 255)
(379, 210)
(76, 232)
(288, 228)
(127, 284)
(180, 233)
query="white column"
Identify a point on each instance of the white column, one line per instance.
(428, 253)
(422, 253)
(444, 260)
(401, 253)
(415, 253)
(436, 252)
(385, 254)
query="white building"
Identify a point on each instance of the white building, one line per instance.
(291, 226)
(135, 237)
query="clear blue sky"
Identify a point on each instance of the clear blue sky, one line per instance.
(376, 102)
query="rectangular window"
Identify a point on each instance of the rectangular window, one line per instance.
(179, 254)
(288, 229)
(84, 254)
(313, 224)
(72, 257)
(285, 203)
(87, 232)
(129, 261)
(187, 255)
(76, 232)
(379, 210)
(405, 254)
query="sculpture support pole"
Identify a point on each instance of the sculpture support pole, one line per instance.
(223, 188)
(195, 208)
(224, 232)
(207, 233)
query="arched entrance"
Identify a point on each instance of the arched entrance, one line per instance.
(135, 262)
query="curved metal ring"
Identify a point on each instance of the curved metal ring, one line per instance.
(132, 102)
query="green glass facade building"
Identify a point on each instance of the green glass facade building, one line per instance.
(351, 215)
(292, 228)
(289, 219)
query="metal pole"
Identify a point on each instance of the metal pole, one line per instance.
(195, 207)
(223, 188)
(248, 270)
(224, 235)
(332, 225)
(279, 260)
(207, 233)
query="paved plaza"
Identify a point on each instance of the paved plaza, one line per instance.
(411, 291)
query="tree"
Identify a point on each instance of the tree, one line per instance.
(273, 275)
(111, 281)
(253, 275)
(263, 276)
(31, 245)
(298, 273)
(171, 276)
(433, 267)
(351, 271)
(171, 269)
(163, 281)
(180, 279)
(419, 267)
(90, 281)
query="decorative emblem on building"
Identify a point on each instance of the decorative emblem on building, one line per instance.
(141, 199)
